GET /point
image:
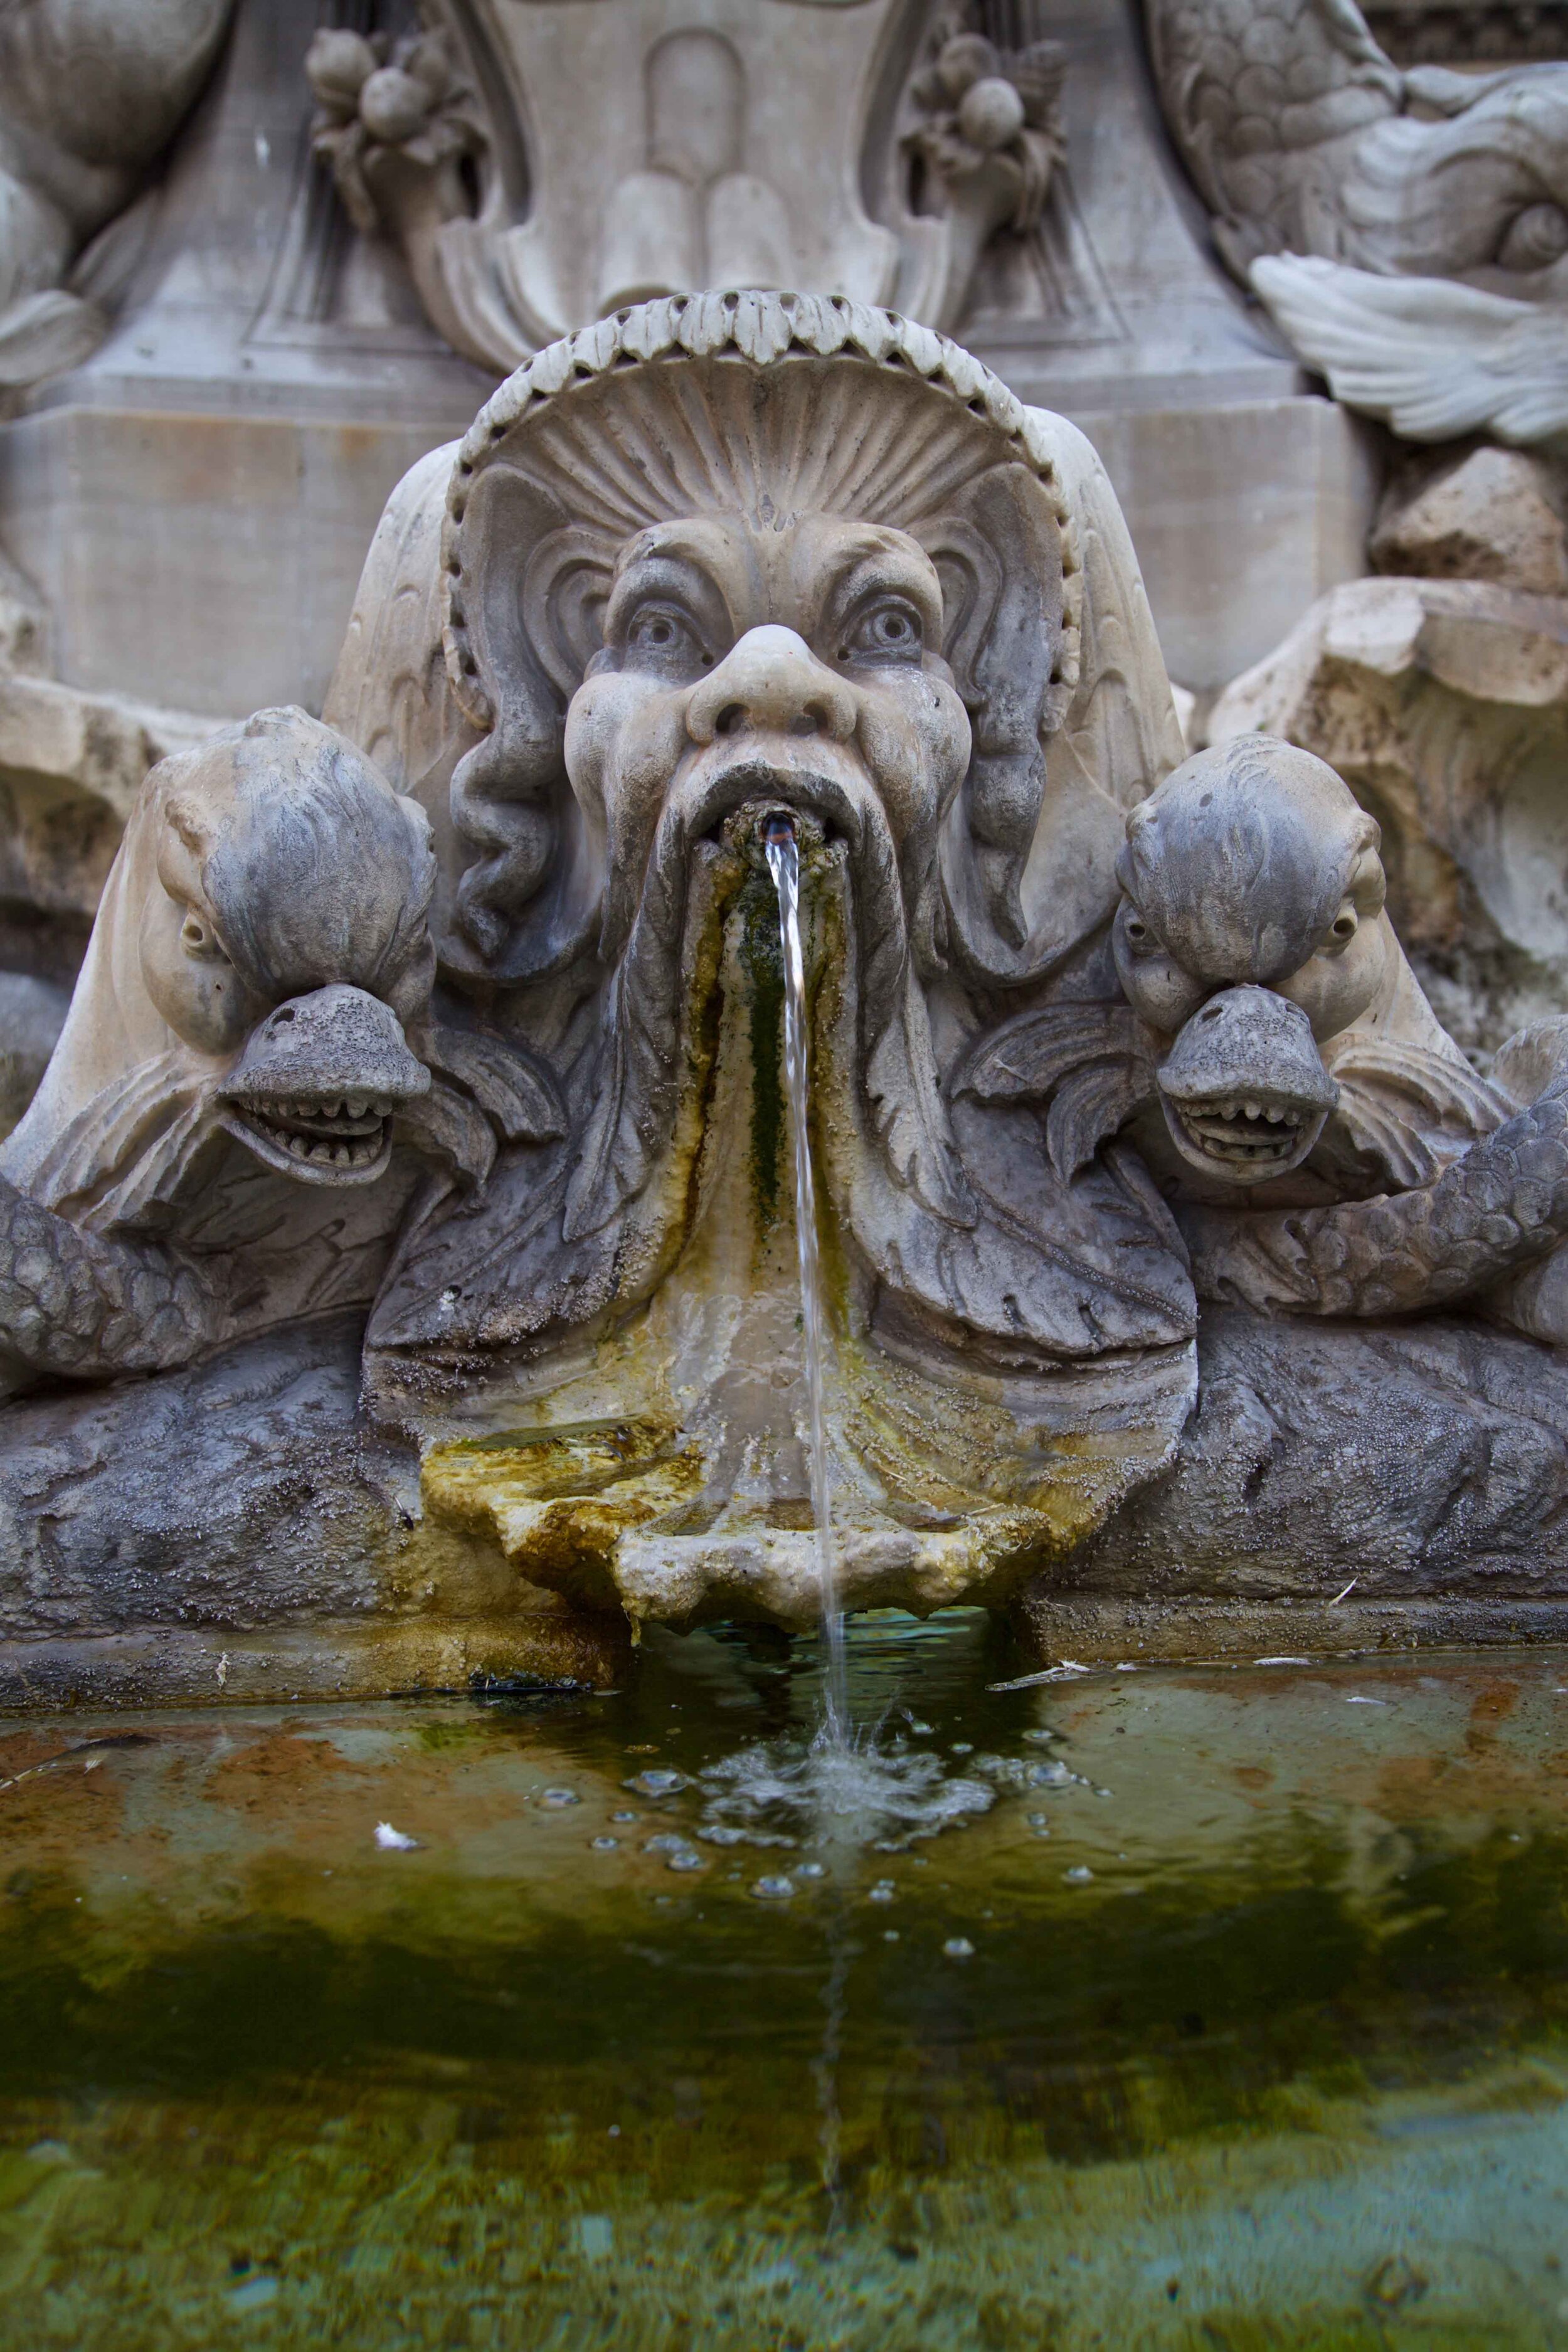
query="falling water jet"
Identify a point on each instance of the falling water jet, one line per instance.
(784, 862)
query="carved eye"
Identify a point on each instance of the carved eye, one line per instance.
(889, 632)
(1137, 931)
(1345, 925)
(198, 938)
(660, 637)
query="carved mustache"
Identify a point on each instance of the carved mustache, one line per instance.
(809, 776)
(636, 1097)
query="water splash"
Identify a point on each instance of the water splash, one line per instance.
(840, 1795)
(783, 865)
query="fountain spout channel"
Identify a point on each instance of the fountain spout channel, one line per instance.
(782, 851)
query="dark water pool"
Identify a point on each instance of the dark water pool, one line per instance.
(1222, 2007)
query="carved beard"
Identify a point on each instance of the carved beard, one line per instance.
(988, 1255)
(631, 1121)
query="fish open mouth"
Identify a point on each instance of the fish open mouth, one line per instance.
(1247, 1135)
(319, 1084)
(348, 1141)
(1243, 1087)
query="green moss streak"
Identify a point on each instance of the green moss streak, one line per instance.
(761, 960)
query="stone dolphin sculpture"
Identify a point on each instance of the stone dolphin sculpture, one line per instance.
(1274, 1048)
(1271, 1034)
(250, 1037)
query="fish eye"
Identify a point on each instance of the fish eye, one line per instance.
(1345, 925)
(890, 631)
(198, 938)
(1137, 930)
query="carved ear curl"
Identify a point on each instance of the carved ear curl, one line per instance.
(522, 592)
(1006, 563)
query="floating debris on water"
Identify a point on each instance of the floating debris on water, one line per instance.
(253, 2294)
(560, 1797)
(393, 1841)
(657, 1783)
(773, 1890)
(1063, 1671)
(958, 1948)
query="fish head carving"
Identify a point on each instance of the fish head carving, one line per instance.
(283, 936)
(1250, 933)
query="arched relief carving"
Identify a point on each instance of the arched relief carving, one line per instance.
(664, 154)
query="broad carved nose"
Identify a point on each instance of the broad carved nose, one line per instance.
(771, 682)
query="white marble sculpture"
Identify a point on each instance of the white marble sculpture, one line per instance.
(543, 166)
(1408, 229)
(492, 1028)
(92, 91)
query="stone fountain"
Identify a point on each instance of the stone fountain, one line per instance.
(400, 1275)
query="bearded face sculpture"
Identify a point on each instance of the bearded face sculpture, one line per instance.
(733, 561)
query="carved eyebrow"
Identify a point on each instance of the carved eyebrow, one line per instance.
(875, 566)
(677, 571)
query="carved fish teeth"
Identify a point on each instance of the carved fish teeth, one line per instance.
(1273, 1116)
(357, 1105)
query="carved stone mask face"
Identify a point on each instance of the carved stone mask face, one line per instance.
(790, 664)
(747, 528)
(1250, 931)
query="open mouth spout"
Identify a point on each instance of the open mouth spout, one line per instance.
(1243, 1089)
(319, 1084)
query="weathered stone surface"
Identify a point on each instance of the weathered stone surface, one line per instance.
(1427, 1462)
(1444, 705)
(90, 91)
(1492, 514)
(1405, 229)
(32, 1014)
(71, 766)
(239, 1510)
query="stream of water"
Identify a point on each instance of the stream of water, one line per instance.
(783, 863)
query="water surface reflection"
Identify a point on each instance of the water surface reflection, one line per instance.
(1159, 2007)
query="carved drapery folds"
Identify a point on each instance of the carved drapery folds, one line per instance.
(536, 179)
(1407, 228)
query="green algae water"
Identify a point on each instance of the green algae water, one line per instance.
(1199, 2007)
